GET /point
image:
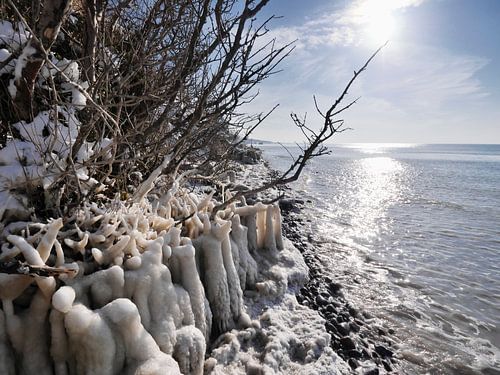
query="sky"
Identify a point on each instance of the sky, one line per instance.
(436, 81)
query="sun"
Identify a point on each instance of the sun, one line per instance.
(380, 27)
(379, 22)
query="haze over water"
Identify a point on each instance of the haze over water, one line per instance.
(413, 234)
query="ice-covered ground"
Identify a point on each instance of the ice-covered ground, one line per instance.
(286, 337)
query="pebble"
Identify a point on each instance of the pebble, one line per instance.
(383, 352)
(354, 327)
(325, 295)
(353, 363)
(387, 366)
(330, 308)
(334, 288)
(347, 344)
(354, 354)
(353, 312)
(343, 328)
(286, 205)
(321, 301)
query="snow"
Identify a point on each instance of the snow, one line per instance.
(22, 61)
(9, 67)
(13, 36)
(39, 156)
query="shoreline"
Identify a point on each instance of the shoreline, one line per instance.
(356, 337)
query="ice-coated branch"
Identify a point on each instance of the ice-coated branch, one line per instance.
(146, 186)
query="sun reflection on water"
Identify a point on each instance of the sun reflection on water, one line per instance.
(377, 187)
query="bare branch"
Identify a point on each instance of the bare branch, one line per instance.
(315, 142)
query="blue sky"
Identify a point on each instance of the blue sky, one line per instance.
(437, 81)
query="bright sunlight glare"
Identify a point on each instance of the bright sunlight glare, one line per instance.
(379, 20)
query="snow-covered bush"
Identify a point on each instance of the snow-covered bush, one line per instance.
(36, 153)
(98, 93)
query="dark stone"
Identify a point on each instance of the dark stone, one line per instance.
(336, 305)
(347, 317)
(325, 295)
(387, 366)
(313, 272)
(345, 328)
(372, 371)
(352, 311)
(330, 327)
(341, 318)
(286, 205)
(329, 316)
(365, 353)
(383, 352)
(353, 363)
(354, 327)
(347, 344)
(335, 340)
(330, 308)
(342, 329)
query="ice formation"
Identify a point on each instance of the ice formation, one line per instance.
(144, 286)
(136, 290)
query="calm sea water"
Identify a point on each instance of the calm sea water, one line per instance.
(413, 232)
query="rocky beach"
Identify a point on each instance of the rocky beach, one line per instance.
(365, 345)
(358, 338)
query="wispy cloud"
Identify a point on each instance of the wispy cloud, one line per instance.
(340, 26)
(426, 78)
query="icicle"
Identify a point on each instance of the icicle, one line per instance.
(277, 227)
(269, 238)
(187, 276)
(48, 239)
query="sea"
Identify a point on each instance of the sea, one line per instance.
(412, 232)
